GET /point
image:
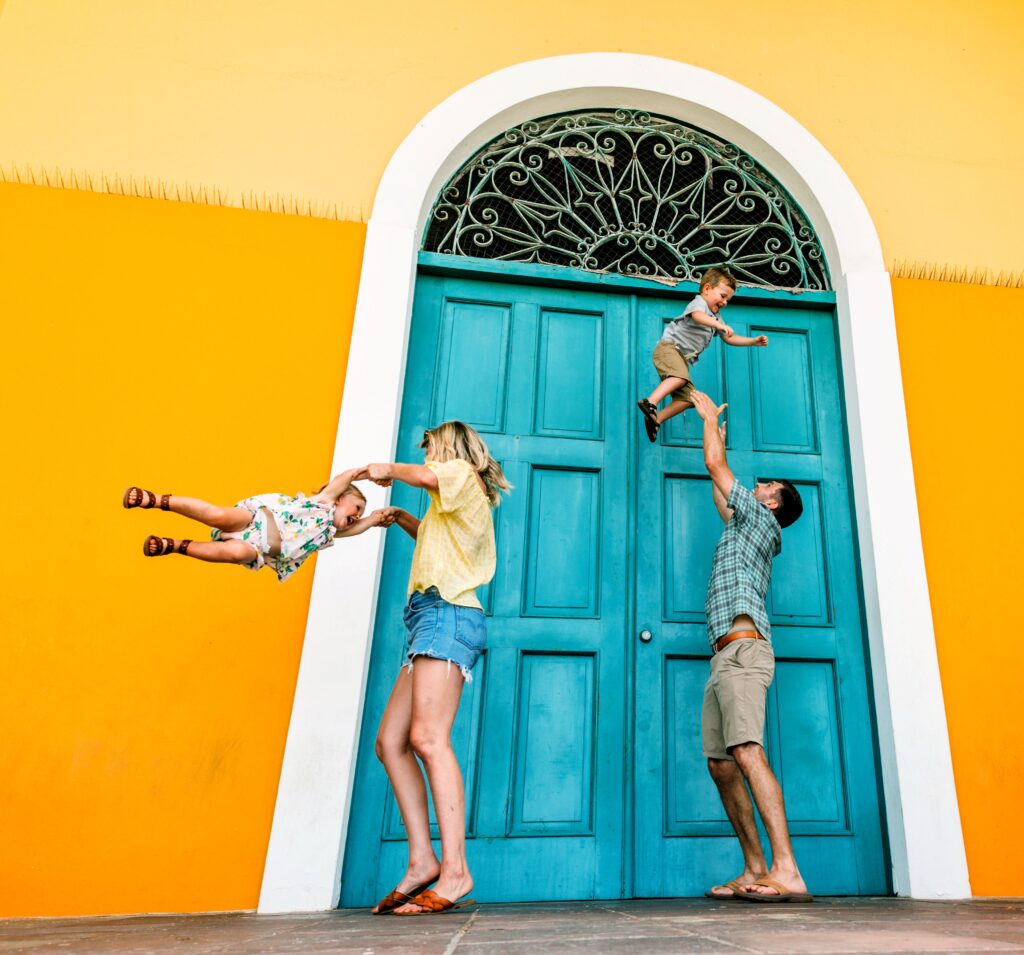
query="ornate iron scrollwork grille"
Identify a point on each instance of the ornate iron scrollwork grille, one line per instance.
(627, 192)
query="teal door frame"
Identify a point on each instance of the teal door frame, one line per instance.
(634, 290)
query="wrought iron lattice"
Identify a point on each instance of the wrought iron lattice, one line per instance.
(627, 192)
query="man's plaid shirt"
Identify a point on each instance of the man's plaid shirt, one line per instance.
(742, 568)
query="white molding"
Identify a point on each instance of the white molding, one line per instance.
(926, 843)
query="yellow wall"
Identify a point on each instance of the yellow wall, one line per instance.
(918, 102)
(963, 403)
(144, 703)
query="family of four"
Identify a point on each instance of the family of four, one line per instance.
(455, 554)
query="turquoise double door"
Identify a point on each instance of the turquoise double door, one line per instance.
(579, 736)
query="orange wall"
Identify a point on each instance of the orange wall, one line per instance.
(144, 703)
(961, 378)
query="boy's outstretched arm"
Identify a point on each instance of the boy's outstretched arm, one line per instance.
(714, 451)
(759, 342)
(702, 318)
(415, 475)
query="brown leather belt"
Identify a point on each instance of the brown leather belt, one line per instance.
(723, 642)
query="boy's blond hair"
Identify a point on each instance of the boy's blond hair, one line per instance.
(715, 275)
(455, 439)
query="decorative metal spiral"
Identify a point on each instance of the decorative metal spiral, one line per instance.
(627, 192)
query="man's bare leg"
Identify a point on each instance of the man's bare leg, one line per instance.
(753, 763)
(738, 807)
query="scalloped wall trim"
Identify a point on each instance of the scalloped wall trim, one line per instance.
(145, 188)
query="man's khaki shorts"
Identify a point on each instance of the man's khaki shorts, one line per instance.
(734, 696)
(669, 363)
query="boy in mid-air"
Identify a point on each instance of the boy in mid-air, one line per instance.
(684, 339)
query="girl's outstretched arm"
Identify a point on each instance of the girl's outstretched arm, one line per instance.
(415, 475)
(336, 487)
(374, 519)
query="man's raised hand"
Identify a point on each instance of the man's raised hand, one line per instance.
(706, 408)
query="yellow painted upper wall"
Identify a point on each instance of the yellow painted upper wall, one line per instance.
(918, 102)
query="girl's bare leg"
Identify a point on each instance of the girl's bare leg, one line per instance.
(394, 751)
(436, 691)
(671, 410)
(212, 515)
(219, 552)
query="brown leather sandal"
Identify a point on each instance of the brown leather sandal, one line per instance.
(734, 885)
(134, 497)
(395, 898)
(164, 545)
(431, 903)
(782, 894)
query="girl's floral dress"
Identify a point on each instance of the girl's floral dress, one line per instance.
(304, 524)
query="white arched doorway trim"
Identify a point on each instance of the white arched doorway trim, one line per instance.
(303, 865)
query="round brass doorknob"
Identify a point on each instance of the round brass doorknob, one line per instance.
(646, 636)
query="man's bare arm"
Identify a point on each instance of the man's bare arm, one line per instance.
(724, 511)
(714, 451)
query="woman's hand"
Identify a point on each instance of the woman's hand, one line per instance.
(380, 474)
(385, 516)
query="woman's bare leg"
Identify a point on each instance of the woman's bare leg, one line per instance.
(436, 691)
(394, 751)
(212, 515)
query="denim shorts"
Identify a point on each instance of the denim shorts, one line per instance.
(444, 631)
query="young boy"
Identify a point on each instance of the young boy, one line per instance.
(684, 339)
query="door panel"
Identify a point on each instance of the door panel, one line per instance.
(541, 734)
(784, 420)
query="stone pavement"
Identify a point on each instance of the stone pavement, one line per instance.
(650, 927)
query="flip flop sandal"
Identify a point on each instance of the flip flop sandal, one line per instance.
(164, 545)
(735, 885)
(139, 497)
(431, 903)
(395, 898)
(784, 894)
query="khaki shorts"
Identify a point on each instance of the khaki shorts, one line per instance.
(669, 363)
(734, 696)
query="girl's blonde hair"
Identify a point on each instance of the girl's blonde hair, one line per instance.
(455, 439)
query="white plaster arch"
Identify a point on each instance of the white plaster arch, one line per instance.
(306, 847)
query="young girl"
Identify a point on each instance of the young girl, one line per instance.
(454, 555)
(269, 529)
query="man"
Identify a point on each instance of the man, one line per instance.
(742, 668)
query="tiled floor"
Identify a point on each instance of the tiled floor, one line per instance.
(636, 927)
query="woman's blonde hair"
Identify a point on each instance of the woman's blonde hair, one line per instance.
(456, 439)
